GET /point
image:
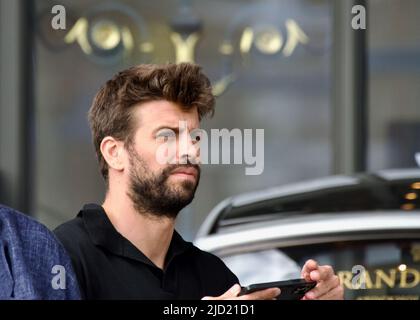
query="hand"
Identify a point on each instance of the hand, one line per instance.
(328, 285)
(232, 294)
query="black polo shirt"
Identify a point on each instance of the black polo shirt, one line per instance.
(108, 266)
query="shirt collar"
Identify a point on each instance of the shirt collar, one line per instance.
(103, 234)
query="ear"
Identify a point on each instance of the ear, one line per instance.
(113, 152)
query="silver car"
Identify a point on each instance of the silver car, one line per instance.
(366, 226)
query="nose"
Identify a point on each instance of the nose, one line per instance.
(188, 150)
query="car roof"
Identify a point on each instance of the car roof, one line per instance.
(313, 229)
(384, 190)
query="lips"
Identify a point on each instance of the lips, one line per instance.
(187, 171)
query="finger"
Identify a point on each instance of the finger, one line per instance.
(323, 287)
(306, 276)
(336, 293)
(322, 273)
(308, 267)
(267, 294)
(232, 292)
(314, 276)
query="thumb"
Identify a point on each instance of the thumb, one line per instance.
(232, 292)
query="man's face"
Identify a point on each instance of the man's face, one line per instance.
(163, 189)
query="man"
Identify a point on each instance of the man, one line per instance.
(128, 248)
(33, 264)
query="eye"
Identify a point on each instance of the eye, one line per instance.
(196, 136)
(165, 135)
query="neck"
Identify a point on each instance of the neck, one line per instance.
(151, 235)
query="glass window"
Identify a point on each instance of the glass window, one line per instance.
(394, 83)
(367, 269)
(391, 268)
(270, 63)
(387, 191)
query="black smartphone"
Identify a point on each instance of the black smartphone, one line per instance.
(293, 289)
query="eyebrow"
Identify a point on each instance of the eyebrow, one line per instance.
(171, 127)
(175, 129)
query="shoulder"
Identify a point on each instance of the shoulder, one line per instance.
(216, 277)
(31, 254)
(71, 231)
(207, 257)
(11, 220)
(16, 227)
(28, 237)
(212, 263)
(80, 231)
(74, 236)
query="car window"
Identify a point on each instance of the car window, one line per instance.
(262, 266)
(388, 269)
(371, 194)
